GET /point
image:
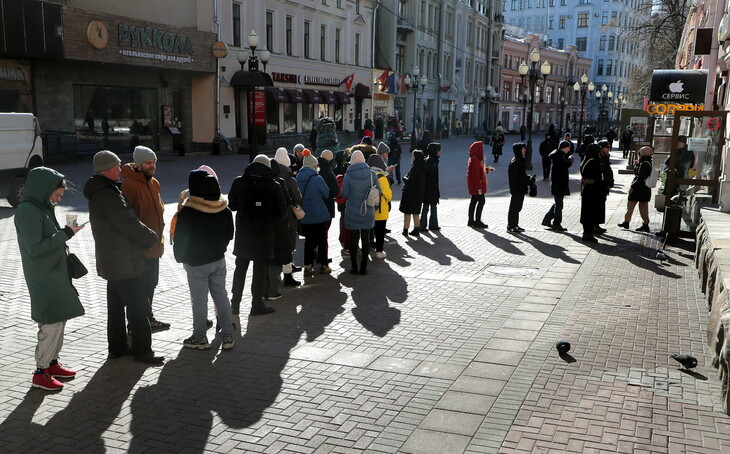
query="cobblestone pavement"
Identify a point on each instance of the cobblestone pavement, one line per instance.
(445, 347)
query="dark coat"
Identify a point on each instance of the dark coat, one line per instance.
(640, 191)
(518, 180)
(561, 163)
(592, 188)
(254, 238)
(120, 237)
(431, 192)
(294, 198)
(395, 150)
(606, 185)
(43, 252)
(204, 229)
(547, 146)
(414, 186)
(325, 171)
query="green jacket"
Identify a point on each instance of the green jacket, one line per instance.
(43, 252)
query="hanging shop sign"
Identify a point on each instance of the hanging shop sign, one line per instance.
(257, 107)
(305, 80)
(686, 86)
(670, 108)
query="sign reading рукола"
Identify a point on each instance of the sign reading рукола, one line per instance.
(686, 86)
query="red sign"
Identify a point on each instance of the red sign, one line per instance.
(713, 123)
(257, 107)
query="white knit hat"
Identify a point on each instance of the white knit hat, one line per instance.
(282, 157)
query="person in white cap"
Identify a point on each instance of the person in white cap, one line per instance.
(142, 191)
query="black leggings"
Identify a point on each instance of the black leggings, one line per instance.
(315, 237)
(380, 234)
(355, 236)
(477, 202)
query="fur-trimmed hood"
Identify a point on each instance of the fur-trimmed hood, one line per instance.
(206, 206)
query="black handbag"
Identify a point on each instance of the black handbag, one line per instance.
(76, 269)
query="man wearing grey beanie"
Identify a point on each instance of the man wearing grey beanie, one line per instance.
(142, 191)
(120, 241)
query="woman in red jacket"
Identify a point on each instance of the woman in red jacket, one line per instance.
(476, 180)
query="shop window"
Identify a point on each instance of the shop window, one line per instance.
(290, 118)
(323, 110)
(306, 39)
(272, 118)
(118, 118)
(307, 117)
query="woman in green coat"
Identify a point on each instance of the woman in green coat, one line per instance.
(53, 298)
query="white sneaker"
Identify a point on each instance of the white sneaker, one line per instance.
(380, 254)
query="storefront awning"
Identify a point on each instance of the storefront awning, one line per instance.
(248, 79)
(342, 97)
(362, 91)
(277, 94)
(328, 97)
(312, 96)
(295, 96)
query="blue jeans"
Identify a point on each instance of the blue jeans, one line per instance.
(433, 222)
(211, 276)
(556, 211)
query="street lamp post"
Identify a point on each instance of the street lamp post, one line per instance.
(487, 96)
(253, 69)
(582, 89)
(562, 112)
(525, 95)
(619, 103)
(532, 76)
(601, 96)
(415, 86)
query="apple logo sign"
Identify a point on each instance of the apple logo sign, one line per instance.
(676, 87)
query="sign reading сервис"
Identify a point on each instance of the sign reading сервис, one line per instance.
(675, 86)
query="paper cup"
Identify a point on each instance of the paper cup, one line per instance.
(72, 220)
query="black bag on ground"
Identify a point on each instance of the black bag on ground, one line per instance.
(76, 269)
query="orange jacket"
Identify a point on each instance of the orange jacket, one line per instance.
(144, 197)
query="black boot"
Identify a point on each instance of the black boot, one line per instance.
(644, 228)
(290, 281)
(364, 266)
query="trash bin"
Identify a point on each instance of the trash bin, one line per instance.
(672, 220)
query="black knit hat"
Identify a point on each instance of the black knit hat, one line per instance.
(204, 185)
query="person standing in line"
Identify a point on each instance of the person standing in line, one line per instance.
(476, 182)
(283, 250)
(290, 184)
(314, 223)
(591, 192)
(547, 146)
(257, 200)
(604, 158)
(394, 157)
(53, 298)
(382, 211)
(431, 193)
(204, 229)
(142, 191)
(627, 137)
(296, 158)
(359, 217)
(120, 241)
(325, 162)
(365, 146)
(559, 187)
(639, 192)
(519, 184)
(413, 190)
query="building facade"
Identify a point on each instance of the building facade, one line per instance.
(594, 28)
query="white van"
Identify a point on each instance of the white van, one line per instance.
(21, 149)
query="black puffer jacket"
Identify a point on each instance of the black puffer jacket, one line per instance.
(415, 185)
(561, 163)
(325, 171)
(204, 229)
(518, 180)
(254, 239)
(120, 238)
(431, 193)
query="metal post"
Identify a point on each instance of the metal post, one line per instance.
(582, 104)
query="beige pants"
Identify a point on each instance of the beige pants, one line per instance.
(50, 341)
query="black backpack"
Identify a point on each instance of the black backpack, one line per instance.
(257, 200)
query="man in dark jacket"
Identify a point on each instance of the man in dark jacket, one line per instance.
(518, 186)
(546, 147)
(394, 157)
(561, 161)
(431, 193)
(627, 137)
(604, 158)
(258, 201)
(120, 240)
(591, 192)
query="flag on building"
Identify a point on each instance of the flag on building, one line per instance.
(403, 87)
(348, 81)
(445, 88)
(383, 79)
(392, 87)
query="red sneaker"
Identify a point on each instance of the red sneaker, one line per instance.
(43, 380)
(56, 369)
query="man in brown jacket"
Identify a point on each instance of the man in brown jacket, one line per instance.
(142, 191)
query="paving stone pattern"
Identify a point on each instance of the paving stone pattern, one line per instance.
(445, 347)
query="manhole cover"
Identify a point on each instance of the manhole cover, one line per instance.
(510, 270)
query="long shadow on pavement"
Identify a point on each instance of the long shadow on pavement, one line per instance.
(505, 244)
(440, 251)
(177, 414)
(551, 250)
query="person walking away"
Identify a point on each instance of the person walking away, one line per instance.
(587, 141)
(476, 182)
(561, 160)
(359, 217)
(431, 193)
(382, 211)
(591, 192)
(53, 298)
(314, 223)
(639, 192)
(523, 132)
(604, 158)
(413, 191)
(295, 197)
(394, 158)
(258, 201)
(497, 144)
(610, 137)
(120, 241)
(204, 229)
(142, 191)
(547, 146)
(518, 186)
(627, 137)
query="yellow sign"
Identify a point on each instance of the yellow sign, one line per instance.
(669, 109)
(220, 49)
